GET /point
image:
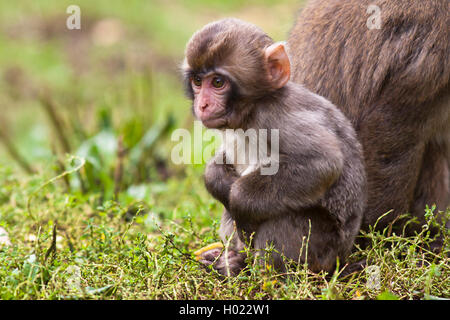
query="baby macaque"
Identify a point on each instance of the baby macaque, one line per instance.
(302, 188)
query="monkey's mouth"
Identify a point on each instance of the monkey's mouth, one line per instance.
(214, 122)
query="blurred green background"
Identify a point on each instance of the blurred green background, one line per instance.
(110, 92)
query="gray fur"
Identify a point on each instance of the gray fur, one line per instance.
(313, 206)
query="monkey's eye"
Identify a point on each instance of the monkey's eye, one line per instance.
(197, 81)
(218, 82)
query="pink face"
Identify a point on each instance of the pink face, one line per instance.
(210, 95)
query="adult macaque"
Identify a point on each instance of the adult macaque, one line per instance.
(238, 78)
(393, 85)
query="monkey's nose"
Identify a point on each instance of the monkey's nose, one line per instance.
(204, 106)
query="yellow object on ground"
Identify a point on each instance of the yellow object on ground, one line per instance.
(211, 246)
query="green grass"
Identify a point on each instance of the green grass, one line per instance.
(82, 230)
(103, 251)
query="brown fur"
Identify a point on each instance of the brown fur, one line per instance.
(221, 44)
(393, 85)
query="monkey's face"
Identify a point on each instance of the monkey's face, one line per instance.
(229, 66)
(211, 92)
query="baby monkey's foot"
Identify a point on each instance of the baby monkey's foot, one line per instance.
(227, 263)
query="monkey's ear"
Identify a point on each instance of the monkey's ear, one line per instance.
(278, 65)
